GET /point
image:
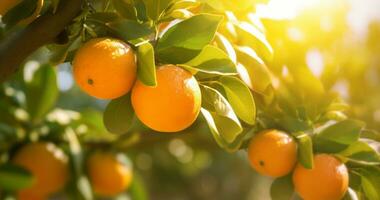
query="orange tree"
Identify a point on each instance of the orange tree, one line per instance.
(169, 66)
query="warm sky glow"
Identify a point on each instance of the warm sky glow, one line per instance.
(284, 9)
(361, 12)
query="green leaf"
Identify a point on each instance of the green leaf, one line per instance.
(178, 14)
(249, 35)
(305, 149)
(119, 115)
(96, 131)
(41, 90)
(308, 89)
(226, 121)
(183, 4)
(129, 29)
(78, 182)
(292, 124)
(103, 17)
(212, 60)
(154, 8)
(185, 40)
(21, 11)
(282, 188)
(52, 54)
(125, 8)
(13, 177)
(355, 180)
(338, 136)
(252, 69)
(178, 10)
(218, 133)
(350, 195)
(137, 189)
(240, 98)
(226, 46)
(141, 10)
(370, 134)
(335, 115)
(370, 178)
(362, 153)
(215, 4)
(146, 70)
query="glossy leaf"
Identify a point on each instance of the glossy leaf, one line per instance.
(217, 133)
(248, 35)
(181, 42)
(118, 116)
(240, 98)
(146, 67)
(252, 69)
(179, 14)
(361, 152)
(129, 29)
(305, 149)
(212, 60)
(338, 136)
(226, 121)
(154, 8)
(125, 8)
(292, 124)
(13, 177)
(370, 179)
(225, 45)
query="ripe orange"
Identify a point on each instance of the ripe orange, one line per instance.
(108, 174)
(272, 153)
(328, 180)
(6, 5)
(172, 105)
(48, 164)
(105, 68)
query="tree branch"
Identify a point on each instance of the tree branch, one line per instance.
(18, 46)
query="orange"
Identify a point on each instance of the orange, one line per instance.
(6, 5)
(328, 180)
(105, 68)
(108, 174)
(272, 153)
(47, 163)
(31, 196)
(163, 26)
(172, 105)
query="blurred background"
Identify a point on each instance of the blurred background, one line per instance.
(339, 40)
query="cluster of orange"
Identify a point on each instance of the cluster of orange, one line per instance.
(50, 168)
(274, 153)
(106, 68)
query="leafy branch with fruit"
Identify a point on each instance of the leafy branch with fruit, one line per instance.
(184, 69)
